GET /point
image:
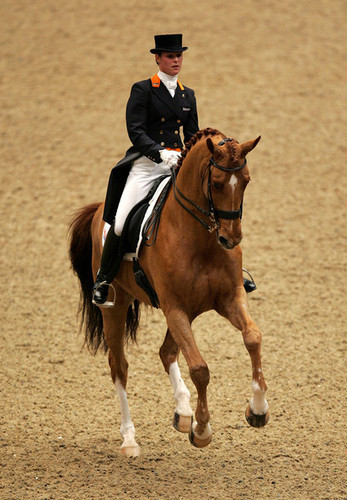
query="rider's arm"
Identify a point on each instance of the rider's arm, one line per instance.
(136, 119)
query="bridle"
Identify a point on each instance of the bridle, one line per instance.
(213, 214)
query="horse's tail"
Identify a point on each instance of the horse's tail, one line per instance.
(81, 260)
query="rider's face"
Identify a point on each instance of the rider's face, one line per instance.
(169, 62)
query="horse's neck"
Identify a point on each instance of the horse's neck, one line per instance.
(189, 182)
(189, 179)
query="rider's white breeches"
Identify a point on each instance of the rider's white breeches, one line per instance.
(141, 178)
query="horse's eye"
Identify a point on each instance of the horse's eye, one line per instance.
(217, 186)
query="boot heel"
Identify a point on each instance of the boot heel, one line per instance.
(108, 303)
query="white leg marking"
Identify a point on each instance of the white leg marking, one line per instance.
(181, 392)
(127, 428)
(207, 431)
(258, 403)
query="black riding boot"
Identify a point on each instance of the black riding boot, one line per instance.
(249, 285)
(109, 266)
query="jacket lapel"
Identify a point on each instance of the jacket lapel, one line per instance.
(179, 99)
(174, 103)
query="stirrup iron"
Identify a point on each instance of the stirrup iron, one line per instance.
(108, 303)
(249, 285)
(249, 274)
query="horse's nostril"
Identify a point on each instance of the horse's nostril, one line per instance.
(224, 242)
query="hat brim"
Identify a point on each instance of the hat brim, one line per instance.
(158, 49)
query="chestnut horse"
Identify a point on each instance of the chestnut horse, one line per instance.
(194, 265)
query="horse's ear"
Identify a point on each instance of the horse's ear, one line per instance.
(246, 147)
(210, 145)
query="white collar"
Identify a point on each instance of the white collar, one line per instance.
(165, 78)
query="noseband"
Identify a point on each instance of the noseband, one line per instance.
(214, 214)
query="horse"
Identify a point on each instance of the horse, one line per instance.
(194, 264)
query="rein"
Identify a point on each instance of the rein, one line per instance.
(213, 214)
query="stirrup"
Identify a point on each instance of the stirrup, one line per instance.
(108, 303)
(249, 274)
(251, 279)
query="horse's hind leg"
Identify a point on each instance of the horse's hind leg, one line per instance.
(183, 416)
(257, 412)
(114, 328)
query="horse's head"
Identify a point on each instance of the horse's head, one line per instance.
(225, 184)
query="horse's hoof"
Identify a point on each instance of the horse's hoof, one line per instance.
(182, 423)
(131, 451)
(256, 420)
(200, 441)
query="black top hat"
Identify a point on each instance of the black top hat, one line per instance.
(168, 43)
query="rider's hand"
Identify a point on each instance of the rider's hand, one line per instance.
(170, 158)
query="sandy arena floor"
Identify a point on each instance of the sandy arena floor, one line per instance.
(270, 68)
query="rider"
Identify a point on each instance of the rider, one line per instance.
(156, 110)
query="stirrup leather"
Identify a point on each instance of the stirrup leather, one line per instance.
(108, 303)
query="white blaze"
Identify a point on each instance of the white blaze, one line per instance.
(233, 182)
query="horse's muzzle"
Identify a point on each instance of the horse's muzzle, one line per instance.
(228, 244)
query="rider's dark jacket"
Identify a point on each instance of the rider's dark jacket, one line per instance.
(153, 119)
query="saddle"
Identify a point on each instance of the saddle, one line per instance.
(140, 226)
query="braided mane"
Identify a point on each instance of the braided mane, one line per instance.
(201, 133)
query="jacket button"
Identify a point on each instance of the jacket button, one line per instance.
(162, 143)
(176, 132)
(175, 144)
(178, 121)
(161, 132)
(163, 119)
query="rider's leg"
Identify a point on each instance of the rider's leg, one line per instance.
(109, 266)
(141, 178)
(249, 285)
(142, 175)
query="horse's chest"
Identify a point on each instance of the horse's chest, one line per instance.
(197, 284)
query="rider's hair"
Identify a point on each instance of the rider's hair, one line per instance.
(159, 54)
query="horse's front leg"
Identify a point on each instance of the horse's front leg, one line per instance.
(257, 412)
(183, 416)
(200, 434)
